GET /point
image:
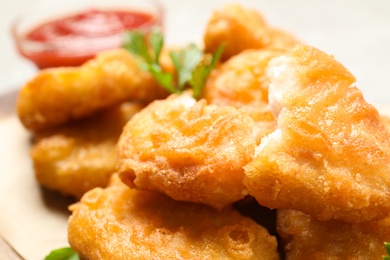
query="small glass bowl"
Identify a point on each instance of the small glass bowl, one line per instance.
(74, 53)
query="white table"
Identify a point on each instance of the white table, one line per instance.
(356, 32)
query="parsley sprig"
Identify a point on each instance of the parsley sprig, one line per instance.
(64, 253)
(191, 64)
(387, 257)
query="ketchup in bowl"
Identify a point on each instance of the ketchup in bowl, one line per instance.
(71, 39)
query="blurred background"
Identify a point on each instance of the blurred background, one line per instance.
(356, 32)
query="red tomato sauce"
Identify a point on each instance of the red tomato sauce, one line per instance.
(72, 40)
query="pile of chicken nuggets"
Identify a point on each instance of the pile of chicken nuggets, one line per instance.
(159, 175)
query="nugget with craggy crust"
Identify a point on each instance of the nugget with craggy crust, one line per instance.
(281, 40)
(188, 150)
(58, 95)
(304, 237)
(330, 155)
(238, 29)
(77, 157)
(123, 223)
(386, 121)
(242, 82)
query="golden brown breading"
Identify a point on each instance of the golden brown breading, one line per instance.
(188, 150)
(122, 223)
(386, 121)
(58, 95)
(281, 40)
(242, 82)
(330, 155)
(239, 29)
(304, 237)
(75, 158)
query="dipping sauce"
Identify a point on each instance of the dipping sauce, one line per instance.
(71, 40)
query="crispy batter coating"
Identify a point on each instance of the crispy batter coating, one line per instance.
(330, 155)
(242, 82)
(304, 237)
(75, 158)
(239, 29)
(188, 150)
(386, 121)
(58, 95)
(281, 40)
(122, 223)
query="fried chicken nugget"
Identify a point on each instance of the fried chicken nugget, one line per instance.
(304, 237)
(75, 158)
(386, 121)
(188, 150)
(242, 82)
(330, 156)
(122, 223)
(239, 29)
(58, 95)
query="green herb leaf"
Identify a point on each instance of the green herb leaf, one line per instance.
(387, 246)
(65, 253)
(202, 71)
(135, 43)
(185, 61)
(164, 79)
(157, 43)
(189, 62)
